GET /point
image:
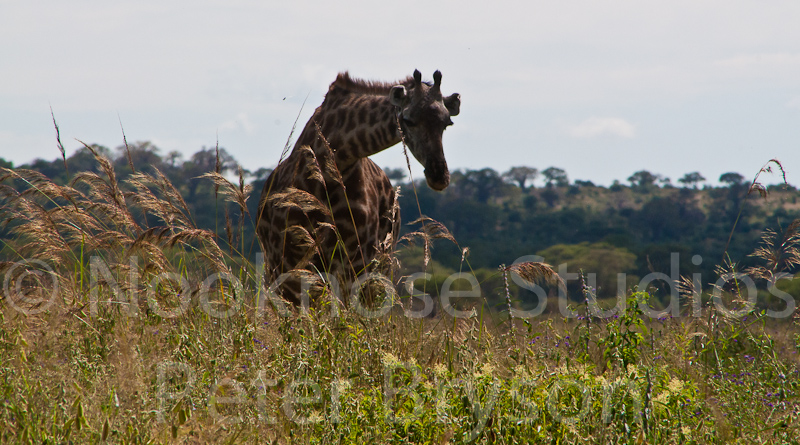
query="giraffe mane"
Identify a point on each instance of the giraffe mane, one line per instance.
(360, 86)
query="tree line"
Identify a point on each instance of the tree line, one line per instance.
(632, 227)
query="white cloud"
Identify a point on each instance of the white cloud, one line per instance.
(602, 127)
(239, 123)
(700, 76)
(771, 60)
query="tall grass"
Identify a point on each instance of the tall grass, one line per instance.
(128, 332)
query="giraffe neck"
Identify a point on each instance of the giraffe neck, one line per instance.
(355, 127)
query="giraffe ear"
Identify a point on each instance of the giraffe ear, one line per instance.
(453, 103)
(397, 95)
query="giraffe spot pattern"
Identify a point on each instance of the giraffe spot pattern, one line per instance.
(356, 206)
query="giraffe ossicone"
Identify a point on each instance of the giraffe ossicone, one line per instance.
(327, 210)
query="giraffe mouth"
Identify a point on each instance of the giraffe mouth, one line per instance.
(437, 176)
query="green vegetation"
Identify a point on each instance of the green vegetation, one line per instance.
(132, 312)
(503, 217)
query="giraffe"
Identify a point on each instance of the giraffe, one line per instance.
(329, 208)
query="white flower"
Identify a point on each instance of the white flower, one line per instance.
(440, 370)
(675, 386)
(487, 370)
(390, 360)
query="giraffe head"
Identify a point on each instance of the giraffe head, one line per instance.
(424, 114)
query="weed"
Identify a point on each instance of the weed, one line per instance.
(137, 346)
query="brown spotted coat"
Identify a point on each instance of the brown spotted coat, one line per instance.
(327, 208)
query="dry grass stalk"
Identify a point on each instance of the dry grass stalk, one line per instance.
(313, 169)
(65, 225)
(169, 207)
(37, 230)
(730, 288)
(536, 272)
(330, 159)
(762, 191)
(298, 236)
(385, 260)
(431, 231)
(58, 140)
(299, 199)
(779, 250)
(686, 288)
(127, 147)
(238, 194)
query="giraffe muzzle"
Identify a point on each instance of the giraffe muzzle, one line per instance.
(437, 176)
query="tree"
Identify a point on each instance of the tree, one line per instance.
(482, 184)
(83, 159)
(140, 155)
(520, 175)
(692, 179)
(204, 161)
(731, 178)
(209, 160)
(555, 176)
(6, 164)
(643, 179)
(52, 170)
(395, 174)
(602, 259)
(174, 158)
(663, 220)
(79, 161)
(261, 174)
(550, 195)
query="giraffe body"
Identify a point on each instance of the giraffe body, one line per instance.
(349, 213)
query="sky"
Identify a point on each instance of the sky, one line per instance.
(598, 88)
